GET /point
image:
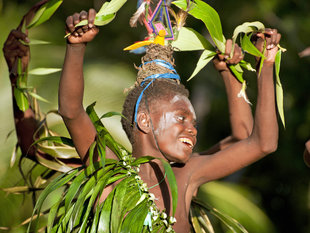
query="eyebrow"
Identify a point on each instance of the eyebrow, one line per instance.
(185, 111)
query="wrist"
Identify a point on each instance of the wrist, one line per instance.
(76, 45)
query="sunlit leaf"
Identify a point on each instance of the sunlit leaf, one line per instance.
(136, 216)
(44, 71)
(172, 184)
(14, 154)
(237, 74)
(46, 11)
(249, 47)
(61, 152)
(112, 7)
(231, 199)
(16, 190)
(246, 65)
(279, 89)
(37, 16)
(204, 59)
(21, 99)
(55, 184)
(55, 139)
(194, 221)
(209, 16)
(246, 28)
(110, 114)
(36, 96)
(53, 164)
(188, 40)
(38, 42)
(53, 213)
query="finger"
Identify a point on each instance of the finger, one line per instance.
(274, 37)
(91, 17)
(22, 48)
(278, 38)
(18, 35)
(83, 16)
(76, 20)
(69, 24)
(228, 48)
(237, 56)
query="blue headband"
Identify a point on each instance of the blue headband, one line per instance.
(153, 77)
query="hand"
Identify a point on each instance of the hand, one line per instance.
(272, 38)
(13, 48)
(81, 34)
(221, 60)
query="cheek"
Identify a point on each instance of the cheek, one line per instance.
(165, 122)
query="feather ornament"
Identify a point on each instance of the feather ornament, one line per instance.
(137, 15)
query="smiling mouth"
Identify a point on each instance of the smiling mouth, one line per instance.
(187, 142)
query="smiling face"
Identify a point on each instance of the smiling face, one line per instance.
(174, 123)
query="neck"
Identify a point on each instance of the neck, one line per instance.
(145, 148)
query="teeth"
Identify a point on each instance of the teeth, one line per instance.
(187, 141)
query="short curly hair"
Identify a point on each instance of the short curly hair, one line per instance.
(158, 89)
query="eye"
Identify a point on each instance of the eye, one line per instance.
(180, 118)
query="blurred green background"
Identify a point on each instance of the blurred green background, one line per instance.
(278, 184)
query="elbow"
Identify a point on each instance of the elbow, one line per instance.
(269, 146)
(69, 113)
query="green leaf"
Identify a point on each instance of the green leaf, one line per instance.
(55, 139)
(60, 152)
(172, 184)
(189, 40)
(194, 220)
(52, 214)
(117, 211)
(105, 216)
(237, 73)
(38, 42)
(44, 71)
(143, 159)
(46, 11)
(21, 99)
(210, 17)
(246, 28)
(136, 216)
(204, 59)
(249, 47)
(55, 165)
(73, 189)
(36, 96)
(112, 7)
(37, 16)
(246, 65)
(55, 184)
(110, 114)
(101, 11)
(279, 89)
(235, 200)
(14, 154)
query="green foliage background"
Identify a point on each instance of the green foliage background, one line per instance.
(280, 182)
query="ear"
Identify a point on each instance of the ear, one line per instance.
(143, 122)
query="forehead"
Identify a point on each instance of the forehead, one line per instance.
(176, 102)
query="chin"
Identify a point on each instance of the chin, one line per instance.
(178, 159)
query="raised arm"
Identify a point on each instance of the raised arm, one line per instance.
(25, 122)
(71, 85)
(240, 114)
(264, 137)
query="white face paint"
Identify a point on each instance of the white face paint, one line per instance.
(166, 120)
(177, 98)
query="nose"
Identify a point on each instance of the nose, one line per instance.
(191, 129)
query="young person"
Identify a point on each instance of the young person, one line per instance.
(163, 124)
